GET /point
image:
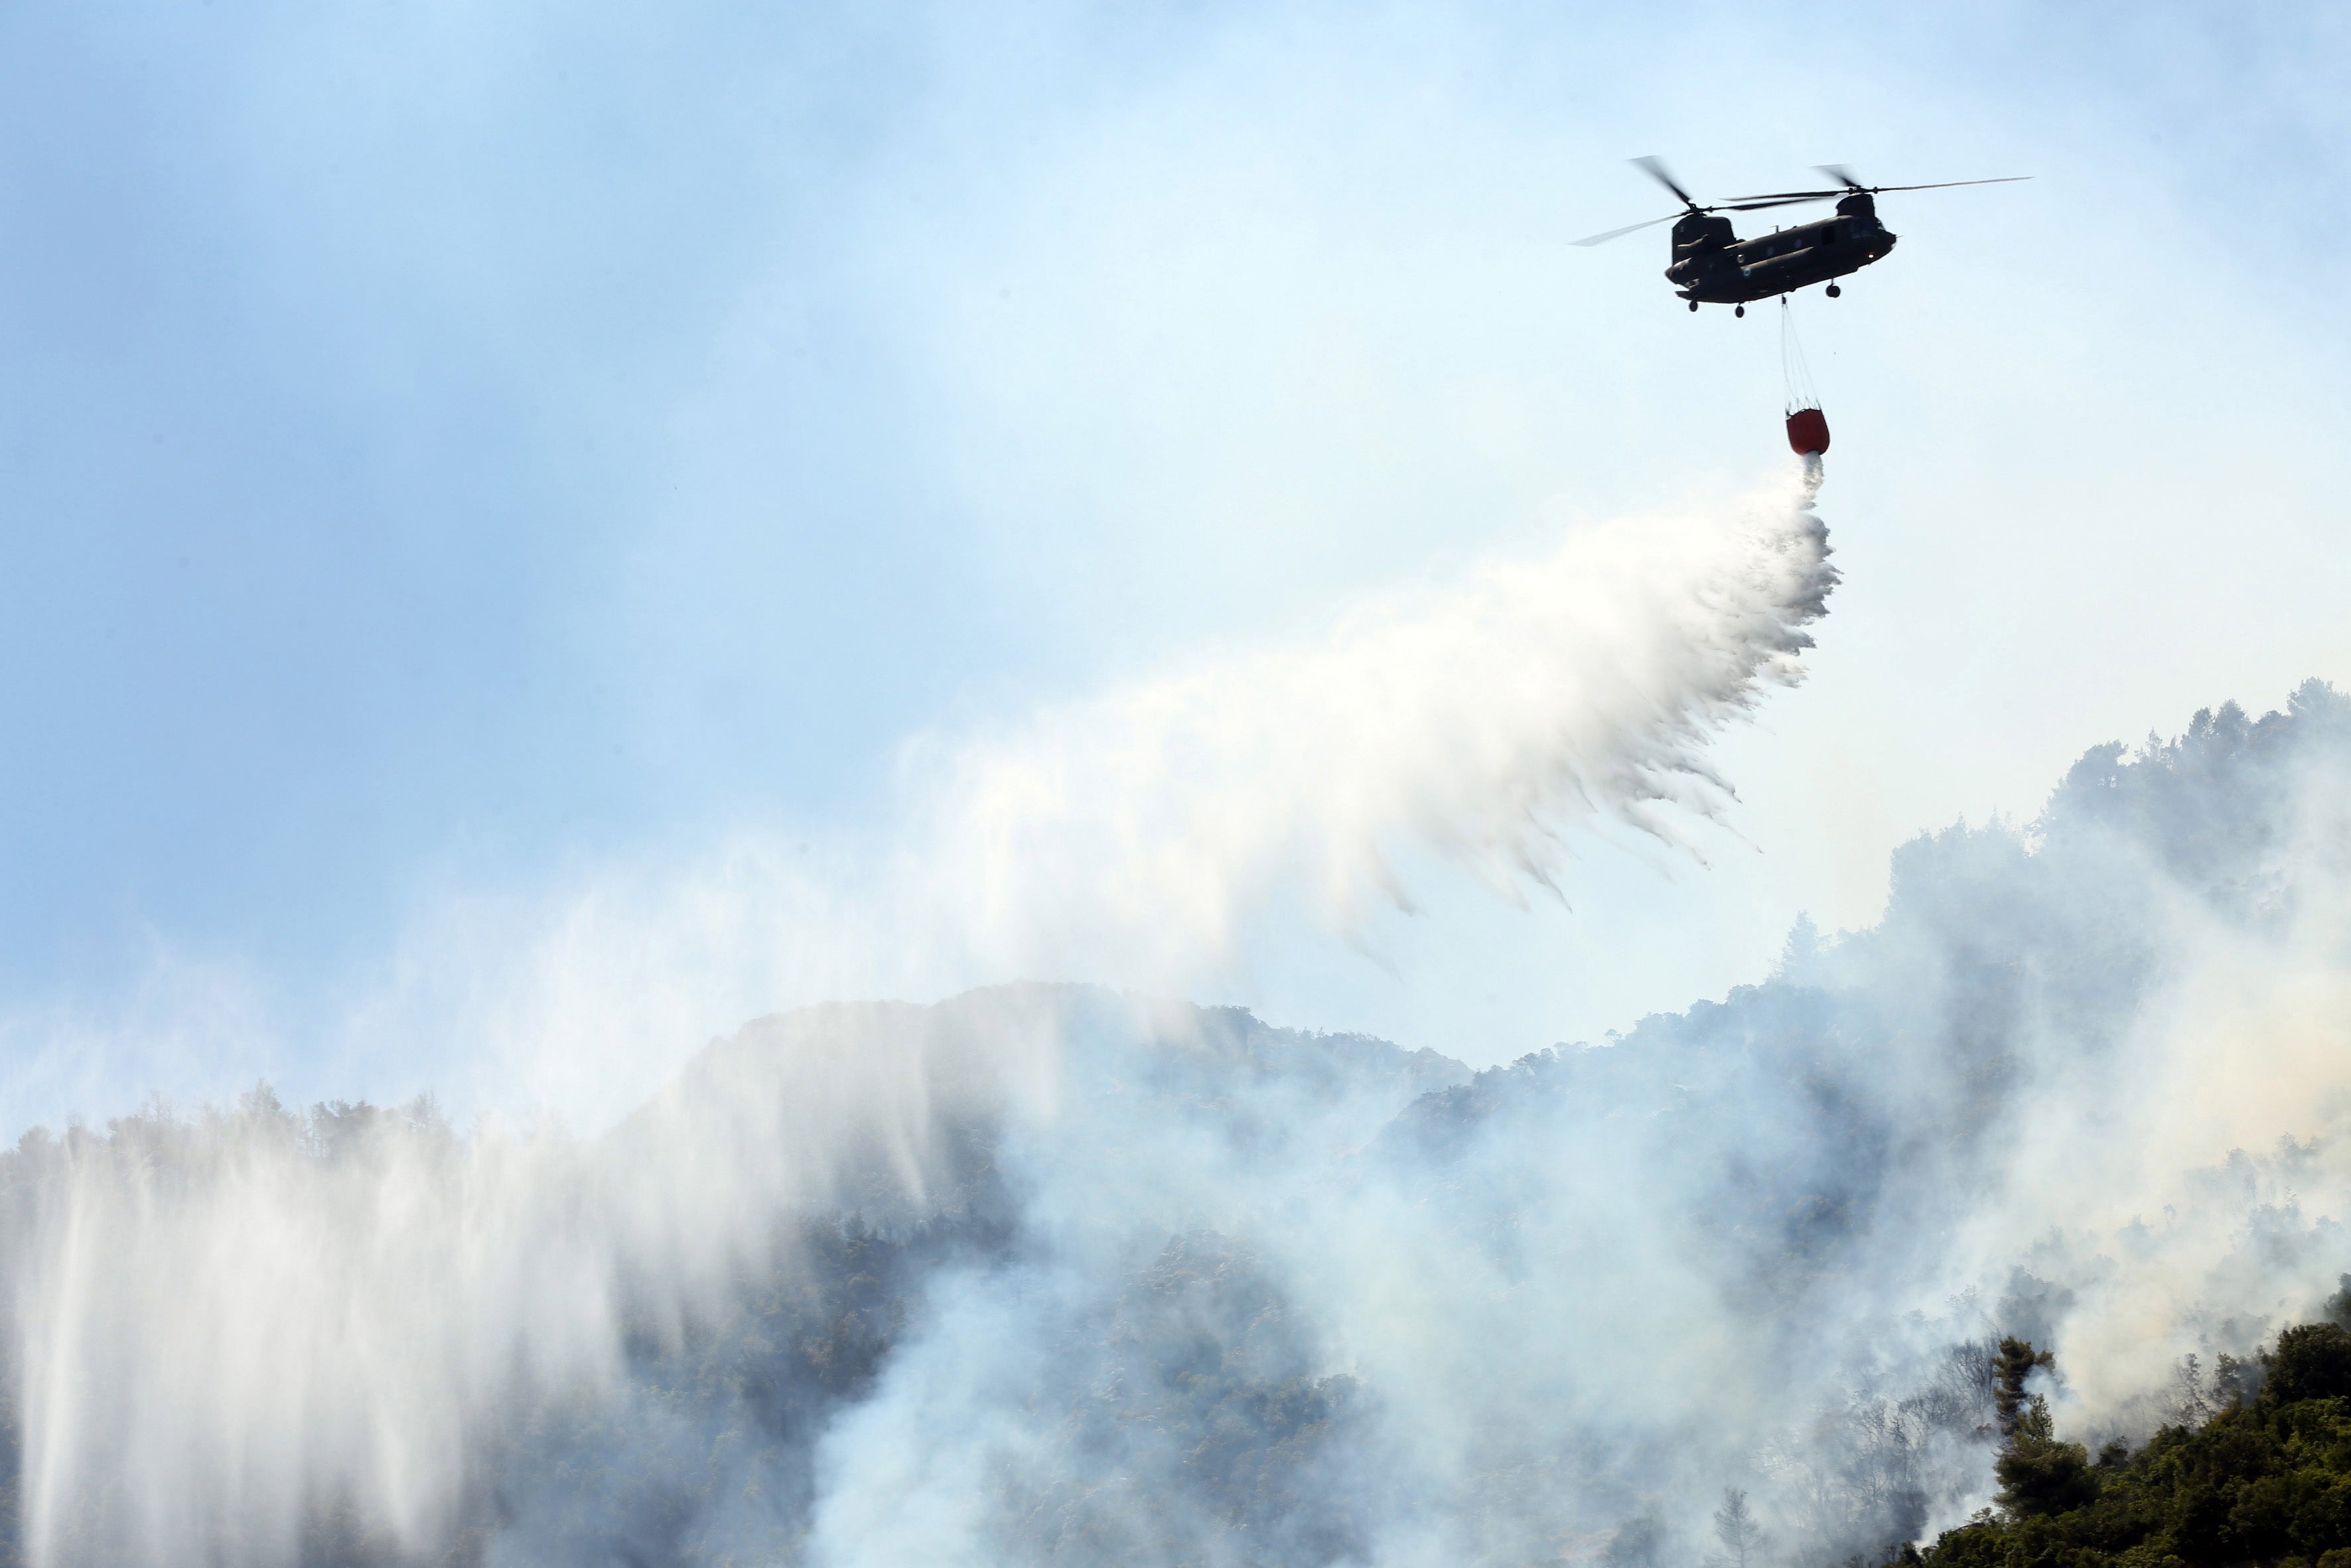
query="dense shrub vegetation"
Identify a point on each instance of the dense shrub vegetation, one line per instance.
(2266, 1479)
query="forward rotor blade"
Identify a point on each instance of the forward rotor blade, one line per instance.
(1738, 207)
(1751, 205)
(1655, 170)
(1628, 228)
(1789, 196)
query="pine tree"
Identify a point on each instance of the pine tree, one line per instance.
(1735, 1526)
(2014, 1362)
(2038, 1474)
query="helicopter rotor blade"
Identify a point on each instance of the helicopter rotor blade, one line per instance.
(1789, 196)
(1761, 197)
(1763, 200)
(1655, 170)
(1628, 228)
(1732, 207)
(1947, 185)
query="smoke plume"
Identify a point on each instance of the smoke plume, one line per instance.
(1058, 1274)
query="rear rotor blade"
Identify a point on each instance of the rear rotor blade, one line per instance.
(1761, 197)
(1751, 205)
(1628, 228)
(1841, 175)
(1655, 170)
(1947, 185)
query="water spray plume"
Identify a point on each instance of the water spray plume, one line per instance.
(1485, 721)
(1056, 1273)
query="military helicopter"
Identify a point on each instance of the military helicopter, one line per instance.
(1712, 266)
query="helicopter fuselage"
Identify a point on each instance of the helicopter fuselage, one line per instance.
(1712, 266)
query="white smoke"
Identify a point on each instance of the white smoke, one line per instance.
(228, 1330)
(1045, 1274)
(2090, 1089)
(1049, 1273)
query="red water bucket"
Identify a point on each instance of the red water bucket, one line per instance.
(1808, 432)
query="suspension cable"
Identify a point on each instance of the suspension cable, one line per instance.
(1798, 374)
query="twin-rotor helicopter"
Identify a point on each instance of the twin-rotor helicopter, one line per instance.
(1712, 266)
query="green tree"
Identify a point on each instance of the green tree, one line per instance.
(2011, 1364)
(2311, 1362)
(2038, 1474)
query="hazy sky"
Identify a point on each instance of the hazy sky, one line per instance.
(450, 448)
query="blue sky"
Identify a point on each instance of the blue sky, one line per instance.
(448, 448)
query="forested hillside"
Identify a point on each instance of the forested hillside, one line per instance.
(1045, 1274)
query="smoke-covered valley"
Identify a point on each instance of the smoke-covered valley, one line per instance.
(1064, 1274)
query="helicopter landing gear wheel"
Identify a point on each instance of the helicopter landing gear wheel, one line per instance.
(1693, 304)
(1741, 310)
(1833, 291)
